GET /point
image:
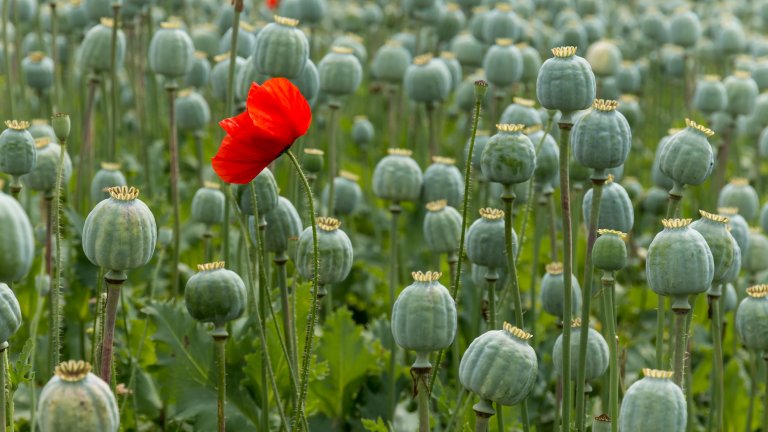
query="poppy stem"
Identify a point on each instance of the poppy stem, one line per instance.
(304, 383)
(565, 203)
(332, 128)
(112, 150)
(7, 57)
(228, 108)
(174, 148)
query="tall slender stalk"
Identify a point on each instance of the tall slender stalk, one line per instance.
(280, 260)
(220, 336)
(613, 349)
(9, 86)
(598, 180)
(55, 56)
(55, 293)
(299, 409)
(228, 108)
(680, 349)
(332, 158)
(3, 385)
(483, 411)
(420, 373)
(765, 396)
(84, 172)
(565, 204)
(114, 280)
(394, 210)
(112, 152)
(480, 88)
(171, 88)
(431, 130)
(553, 253)
(717, 344)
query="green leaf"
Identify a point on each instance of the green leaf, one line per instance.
(375, 426)
(20, 370)
(351, 356)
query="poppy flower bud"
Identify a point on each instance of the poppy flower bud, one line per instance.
(171, 51)
(61, 126)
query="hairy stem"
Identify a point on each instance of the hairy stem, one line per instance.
(332, 170)
(395, 210)
(680, 349)
(114, 282)
(565, 204)
(112, 152)
(613, 371)
(220, 340)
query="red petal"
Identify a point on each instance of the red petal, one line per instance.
(279, 110)
(272, 4)
(240, 162)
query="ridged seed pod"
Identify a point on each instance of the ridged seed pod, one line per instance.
(609, 253)
(454, 68)
(521, 111)
(756, 256)
(284, 223)
(334, 251)
(427, 80)
(200, 72)
(714, 229)
(547, 158)
(38, 71)
(679, 263)
(469, 50)
(424, 317)
(687, 156)
(17, 149)
(96, 47)
(206, 39)
(362, 131)
(552, 291)
(597, 352)
(171, 51)
(312, 162)
(18, 246)
(752, 319)
(485, 240)
(500, 23)
(10, 314)
(604, 57)
(629, 78)
(266, 194)
(282, 49)
(397, 177)
(43, 177)
(742, 93)
(390, 62)
(108, 176)
(442, 227)
(710, 95)
(503, 64)
(340, 72)
(246, 40)
(452, 20)
(685, 29)
(208, 205)
(737, 226)
(192, 111)
(601, 138)
(220, 75)
(741, 195)
(76, 399)
(565, 82)
(531, 62)
(616, 210)
(215, 295)
(509, 156)
(348, 194)
(442, 180)
(120, 232)
(652, 403)
(486, 364)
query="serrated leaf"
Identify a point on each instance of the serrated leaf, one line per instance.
(375, 425)
(20, 370)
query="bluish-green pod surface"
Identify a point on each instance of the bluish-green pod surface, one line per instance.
(714, 229)
(601, 138)
(266, 194)
(509, 156)
(334, 251)
(442, 227)
(390, 62)
(552, 291)
(171, 51)
(752, 319)
(740, 194)
(108, 176)
(427, 80)
(397, 177)
(442, 180)
(485, 239)
(215, 295)
(565, 82)
(348, 195)
(284, 224)
(609, 252)
(340, 72)
(96, 47)
(503, 63)
(192, 111)
(653, 403)
(43, 177)
(597, 353)
(282, 49)
(10, 313)
(687, 156)
(208, 205)
(710, 95)
(616, 210)
(17, 149)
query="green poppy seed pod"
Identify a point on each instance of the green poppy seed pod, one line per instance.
(120, 232)
(654, 26)
(246, 40)
(208, 205)
(362, 131)
(679, 263)
(107, 177)
(616, 211)
(760, 73)
(609, 253)
(684, 29)
(730, 299)
(594, 27)
(500, 23)
(565, 82)
(282, 49)
(730, 37)
(334, 251)
(673, 61)
(308, 82)
(454, 68)
(476, 23)
(266, 194)
(171, 51)
(17, 149)
(76, 399)
(215, 295)
(521, 111)
(38, 71)
(653, 402)
(10, 313)
(737, 225)
(469, 51)
(97, 45)
(756, 256)
(752, 319)
(597, 352)
(373, 15)
(43, 177)
(427, 80)
(740, 194)
(486, 364)
(503, 63)
(629, 78)
(97, 9)
(660, 179)
(633, 187)
(340, 72)
(601, 137)
(485, 239)
(61, 126)
(687, 156)
(200, 72)
(764, 218)
(442, 227)
(509, 156)
(572, 33)
(205, 37)
(604, 57)
(354, 43)
(41, 129)
(450, 23)
(284, 223)
(710, 95)
(397, 177)
(312, 162)
(531, 63)
(547, 158)
(442, 180)
(192, 111)
(655, 201)
(630, 109)
(18, 245)
(552, 290)
(424, 317)
(390, 62)
(348, 194)
(732, 274)
(714, 229)
(312, 11)
(742, 93)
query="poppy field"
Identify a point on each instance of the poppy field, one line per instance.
(383, 216)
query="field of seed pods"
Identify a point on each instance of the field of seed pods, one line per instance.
(383, 216)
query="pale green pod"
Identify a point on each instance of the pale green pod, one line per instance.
(629, 78)
(547, 157)
(503, 63)
(740, 194)
(266, 194)
(655, 26)
(427, 80)
(687, 156)
(200, 72)
(552, 291)
(397, 177)
(206, 39)
(509, 156)
(208, 205)
(531, 63)
(17, 249)
(452, 20)
(597, 352)
(601, 137)
(340, 72)
(500, 23)
(348, 194)
(742, 93)
(38, 70)
(17, 149)
(282, 49)
(220, 74)
(454, 67)
(521, 111)
(631, 110)
(108, 176)
(756, 257)
(485, 239)
(284, 224)
(653, 403)
(565, 82)
(731, 38)
(96, 47)
(192, 111)
(604, 57)
(171, 51)
(43, 177)
(363, 131)
(685, 29)
(390, 62)
(442, 227)
(215, 294)
(354, 43)
(616, 210)
(752, 319)
(443, 181)
(737, 225)
(714, 229)
(334, 252)
(710, 95)
(246, 40)
(469, 51)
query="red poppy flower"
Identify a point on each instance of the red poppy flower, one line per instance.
(276, 115)
(272, 4)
